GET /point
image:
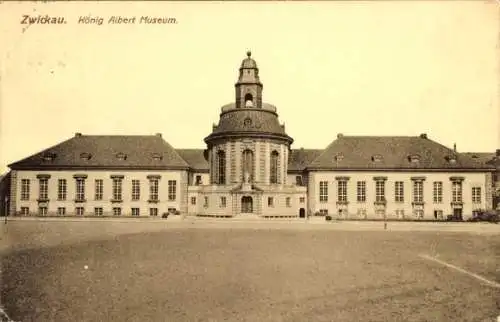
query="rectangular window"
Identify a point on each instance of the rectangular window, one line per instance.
(172, 190)
(62, 189)
(42, 211)
(198, 180)
(476, 194)
(205, 204)
(380, 213)
(79, 211)
(361, 212)
(418, 191)
(153, 189)
(135, 211)
(399, 191)
(323, 212)
(153, 212)
(302, 199)
(193, 200)
(288, 202)
(323, 191)
(270, 202)
(380, 191)
(342, 191)
(456, 191)
(25, 211)
(98, 211)
(99, 187)
(223, 202)
(80, 189)
(136, 190)
(117, 211)
(437, 189)
(400, 213)
(43, 191)
(25, 189)
(117, 189)
(61, 211)
(298, 180)
(418, 213)
(361, 189)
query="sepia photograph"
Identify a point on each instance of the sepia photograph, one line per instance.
(250, 161)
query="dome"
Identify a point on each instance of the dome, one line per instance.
(248, 122)
(248, 62)
(265, 106)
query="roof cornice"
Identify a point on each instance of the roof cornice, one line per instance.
(242, 134)
(317, 169)
(97, 167)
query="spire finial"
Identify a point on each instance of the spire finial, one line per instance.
(249, 53)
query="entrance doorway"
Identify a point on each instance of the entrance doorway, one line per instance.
(457, 213)
(246, 204)
(302, 213)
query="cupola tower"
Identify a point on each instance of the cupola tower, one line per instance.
(248, 88)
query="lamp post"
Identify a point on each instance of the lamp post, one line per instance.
(6, 208)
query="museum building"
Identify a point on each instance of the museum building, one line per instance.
(250, 169)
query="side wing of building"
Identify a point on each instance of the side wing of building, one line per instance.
(397, 177)
(101, 175)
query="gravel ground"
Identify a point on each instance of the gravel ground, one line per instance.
(161, 271)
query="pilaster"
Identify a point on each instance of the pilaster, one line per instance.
(13, 193)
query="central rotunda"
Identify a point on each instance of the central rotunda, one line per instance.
(248, 153)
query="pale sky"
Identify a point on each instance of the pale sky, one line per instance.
(357, 68)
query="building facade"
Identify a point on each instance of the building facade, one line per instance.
(250, 169)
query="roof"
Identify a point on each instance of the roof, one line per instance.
(249, 120)
(299, 159)
(106, 151)
(391, 152)
(195, 158)
(248, 62)
(481, 157)
(4, 177)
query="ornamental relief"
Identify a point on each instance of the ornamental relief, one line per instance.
(249, 124)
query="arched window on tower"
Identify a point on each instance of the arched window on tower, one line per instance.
(247, 165)
(248, 100)
(273, 175)
(221, 167)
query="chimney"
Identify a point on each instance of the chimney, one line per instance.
(158, 135)
(498, 152)
(340, 135)
(78, 134)
(423, 135)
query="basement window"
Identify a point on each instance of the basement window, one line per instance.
(377, 158)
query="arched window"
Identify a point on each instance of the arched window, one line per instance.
(221, 167)
(248, 97)
(273, 175)
(248, 100)
(247, 165)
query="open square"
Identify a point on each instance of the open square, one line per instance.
(195, 272)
